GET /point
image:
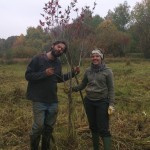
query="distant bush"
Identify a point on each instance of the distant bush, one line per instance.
(135, 55)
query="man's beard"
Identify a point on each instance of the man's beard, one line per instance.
(54, 53)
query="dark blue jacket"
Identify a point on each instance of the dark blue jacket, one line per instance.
(43, 88)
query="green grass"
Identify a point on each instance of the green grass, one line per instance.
(129, 125)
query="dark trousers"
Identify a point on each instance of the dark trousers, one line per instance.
(98, 118)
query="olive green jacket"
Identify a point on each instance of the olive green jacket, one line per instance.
(98, 84)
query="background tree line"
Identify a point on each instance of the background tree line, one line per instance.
(121, 32)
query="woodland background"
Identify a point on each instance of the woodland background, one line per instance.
(122, 32)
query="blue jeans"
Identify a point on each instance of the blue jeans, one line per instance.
(45, 115)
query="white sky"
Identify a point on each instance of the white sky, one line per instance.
(17, 15)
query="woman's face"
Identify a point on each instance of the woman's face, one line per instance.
(96, 59)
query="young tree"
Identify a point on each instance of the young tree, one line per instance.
(57, 24)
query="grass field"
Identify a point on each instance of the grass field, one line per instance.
(130, 125)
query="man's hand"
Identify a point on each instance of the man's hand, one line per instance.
(111, 110)
(49, 71)
(76, 70)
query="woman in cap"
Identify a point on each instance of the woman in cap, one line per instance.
(99, 100)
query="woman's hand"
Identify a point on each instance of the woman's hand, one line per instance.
(111, 110)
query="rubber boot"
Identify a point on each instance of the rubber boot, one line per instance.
(95, 140)
(46, 142)
(46, 138)
(34, 142)
(107, 143)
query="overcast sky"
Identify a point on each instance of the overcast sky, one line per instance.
(17, 15)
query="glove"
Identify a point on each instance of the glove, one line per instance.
(74, 89)
(111, 110)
